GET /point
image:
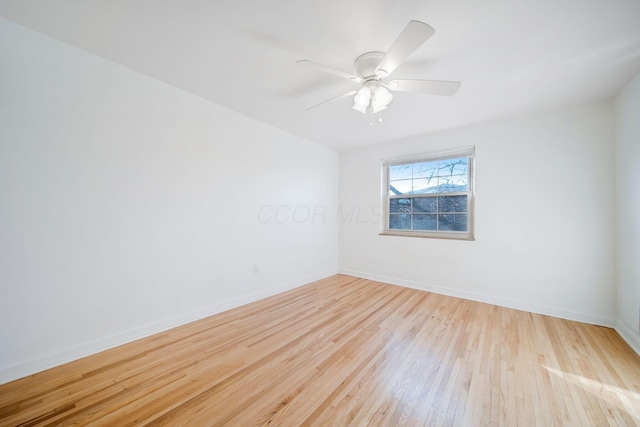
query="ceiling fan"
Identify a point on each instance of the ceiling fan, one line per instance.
(373, 68)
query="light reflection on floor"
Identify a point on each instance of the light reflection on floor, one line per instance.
(625, 400)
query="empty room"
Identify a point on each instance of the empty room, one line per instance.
(362, 213)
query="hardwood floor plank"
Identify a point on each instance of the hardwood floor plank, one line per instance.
(346, 351)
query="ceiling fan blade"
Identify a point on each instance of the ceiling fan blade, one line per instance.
(344, 95)
(433, 87)
(410, 39)
(328, 69)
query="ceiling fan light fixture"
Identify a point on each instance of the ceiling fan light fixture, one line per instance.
(363, 96)
(361, 108)
(382, 96)
(362, 99)
(376, 107)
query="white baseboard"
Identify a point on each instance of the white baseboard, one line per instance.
(70, 354)
(626, 332)
(593, 319)
(41, 363)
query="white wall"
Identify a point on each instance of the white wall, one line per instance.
(627, 127)
(128, 206)
(544, 217)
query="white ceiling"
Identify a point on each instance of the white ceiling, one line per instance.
(512, 56)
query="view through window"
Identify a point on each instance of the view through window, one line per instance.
(429, 195)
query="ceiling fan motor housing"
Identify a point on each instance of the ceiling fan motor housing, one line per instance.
(366, 64)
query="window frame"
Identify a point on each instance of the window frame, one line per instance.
(469, 153)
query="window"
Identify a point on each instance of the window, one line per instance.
(429, 195)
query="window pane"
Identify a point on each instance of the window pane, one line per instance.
(460, 182)
(424, 204)
(444, 221)
(450, 167)
(399, 172)
(400, 205)
(452, 222)
(400, 187)
(452, 184)
(460, 222)
(425, 222)
(425, 170)
(452, 203)
(425, 185)
(399, 221)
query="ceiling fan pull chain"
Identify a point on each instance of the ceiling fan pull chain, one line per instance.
(371, 121)
(380, 118)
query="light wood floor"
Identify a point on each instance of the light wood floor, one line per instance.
(346, 351)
